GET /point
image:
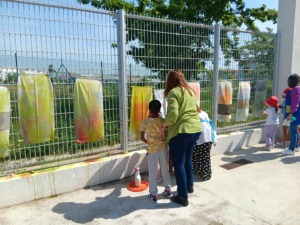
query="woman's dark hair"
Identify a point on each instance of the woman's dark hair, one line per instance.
(154, 106)
(293, 80)
(176, 79)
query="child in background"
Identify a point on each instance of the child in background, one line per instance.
(286, 123)
(157, 150)
(272, 122)
(294, 115)
(201, 153)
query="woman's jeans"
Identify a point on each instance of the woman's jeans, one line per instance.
(293, 136)
(181, 149)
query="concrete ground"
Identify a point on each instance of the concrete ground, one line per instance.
(266, 191)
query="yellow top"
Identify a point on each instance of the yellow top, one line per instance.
(153, 127)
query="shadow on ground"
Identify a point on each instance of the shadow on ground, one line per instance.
(111, 206)
(254, 154)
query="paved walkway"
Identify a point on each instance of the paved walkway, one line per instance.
(266, 191)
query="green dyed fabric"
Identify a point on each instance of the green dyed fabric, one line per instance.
(4, 121)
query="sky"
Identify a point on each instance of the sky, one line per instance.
(53, 34)
(271, 4)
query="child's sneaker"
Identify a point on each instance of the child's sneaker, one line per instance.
(168, 193)
(269, 148)
(152, 198)
(288, 152)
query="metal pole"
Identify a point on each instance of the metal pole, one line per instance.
(122, 78)
(130, 72)
(216, 74)
(101, 72)
(16, 59)
(276, 65)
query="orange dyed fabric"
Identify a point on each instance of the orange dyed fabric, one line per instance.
(224, 101)
(88, 111)
(196, 87)
(140, 98)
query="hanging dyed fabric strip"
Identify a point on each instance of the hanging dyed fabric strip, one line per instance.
(141, 96)
(159, 95)
(36, 108)
(260, 97)
(4, 121)
(196, 87)
(88, 111)
(224, 101)
(243, 99)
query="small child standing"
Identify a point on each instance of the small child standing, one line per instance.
(201, 153)
(157, 150)
(272, 122)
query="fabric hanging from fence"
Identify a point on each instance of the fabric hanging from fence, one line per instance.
(4, 121)
(159, 95)
(140, 98)
(36, 108)
(88, 111)
(243, 99)
(260, 97)
(224, 101)
(196, 87)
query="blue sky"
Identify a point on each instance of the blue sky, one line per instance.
(57, 36)
(272, 4)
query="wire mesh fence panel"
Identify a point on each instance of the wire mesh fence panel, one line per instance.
(159, 46)
(246, 57)
(67, 44)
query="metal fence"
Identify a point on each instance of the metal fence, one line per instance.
(122, 51)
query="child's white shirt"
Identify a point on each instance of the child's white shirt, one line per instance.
(206, 134)
(273, 116)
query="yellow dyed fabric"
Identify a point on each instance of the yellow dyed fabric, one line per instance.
(4, 121)
(88, 111)
(36, 108)
(140, 98)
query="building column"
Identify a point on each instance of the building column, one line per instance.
(288, 28)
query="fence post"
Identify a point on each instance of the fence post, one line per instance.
(122, 78)
(276, 65)
(216, 74)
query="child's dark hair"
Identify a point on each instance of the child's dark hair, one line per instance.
(293, 80)
(154, 106)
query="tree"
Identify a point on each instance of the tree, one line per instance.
(166, 46)
(258, 54)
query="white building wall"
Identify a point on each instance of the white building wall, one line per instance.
(288, 29)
